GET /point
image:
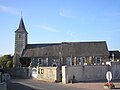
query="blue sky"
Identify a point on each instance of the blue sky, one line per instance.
(60, 21)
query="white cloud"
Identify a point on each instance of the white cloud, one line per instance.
(48, 28)
(65, 12)
(8, 9)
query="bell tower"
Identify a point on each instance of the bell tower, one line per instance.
(20, 42)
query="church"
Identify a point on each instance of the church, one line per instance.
(57, 54)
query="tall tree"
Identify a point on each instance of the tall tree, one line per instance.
(6, 60)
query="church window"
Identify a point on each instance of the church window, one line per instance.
(81, 60)
(97, 60)
(40, 61)
(69, 61)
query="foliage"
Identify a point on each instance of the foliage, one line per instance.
(109, 85)
(9, 64)
(6, 61)
(25, 61)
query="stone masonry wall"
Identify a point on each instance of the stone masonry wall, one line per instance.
(83, 73)
(51, 74)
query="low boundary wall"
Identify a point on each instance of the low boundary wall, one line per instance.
(51, 74)
(84, 73)
(115, 69)
(21, 72)
(3, 86)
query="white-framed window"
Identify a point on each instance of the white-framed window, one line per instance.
(97, 60)
(69, 61)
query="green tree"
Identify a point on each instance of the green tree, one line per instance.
(25, 61)
(9, 64)
(6, 60)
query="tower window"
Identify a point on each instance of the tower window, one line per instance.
(19, 36)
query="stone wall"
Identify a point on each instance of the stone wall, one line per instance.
(115, 69)
(21, 72)
(51, 74)
(3, 86)
(83, 73)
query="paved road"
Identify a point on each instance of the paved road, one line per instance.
(30, 84)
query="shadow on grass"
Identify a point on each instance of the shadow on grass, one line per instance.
(17, 86)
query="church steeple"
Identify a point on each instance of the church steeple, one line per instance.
(21, 27)
(20, 41)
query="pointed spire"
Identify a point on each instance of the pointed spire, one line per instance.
(21, 25)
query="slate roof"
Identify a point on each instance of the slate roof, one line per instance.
(66, 49)
(21, 27)
(29, 46)
(116, 54)
(86, 49)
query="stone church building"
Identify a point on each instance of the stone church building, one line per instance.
(57, 54)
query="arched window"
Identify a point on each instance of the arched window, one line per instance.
(68, 61)
(19, 35)
(40, 61)
(81, 60)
